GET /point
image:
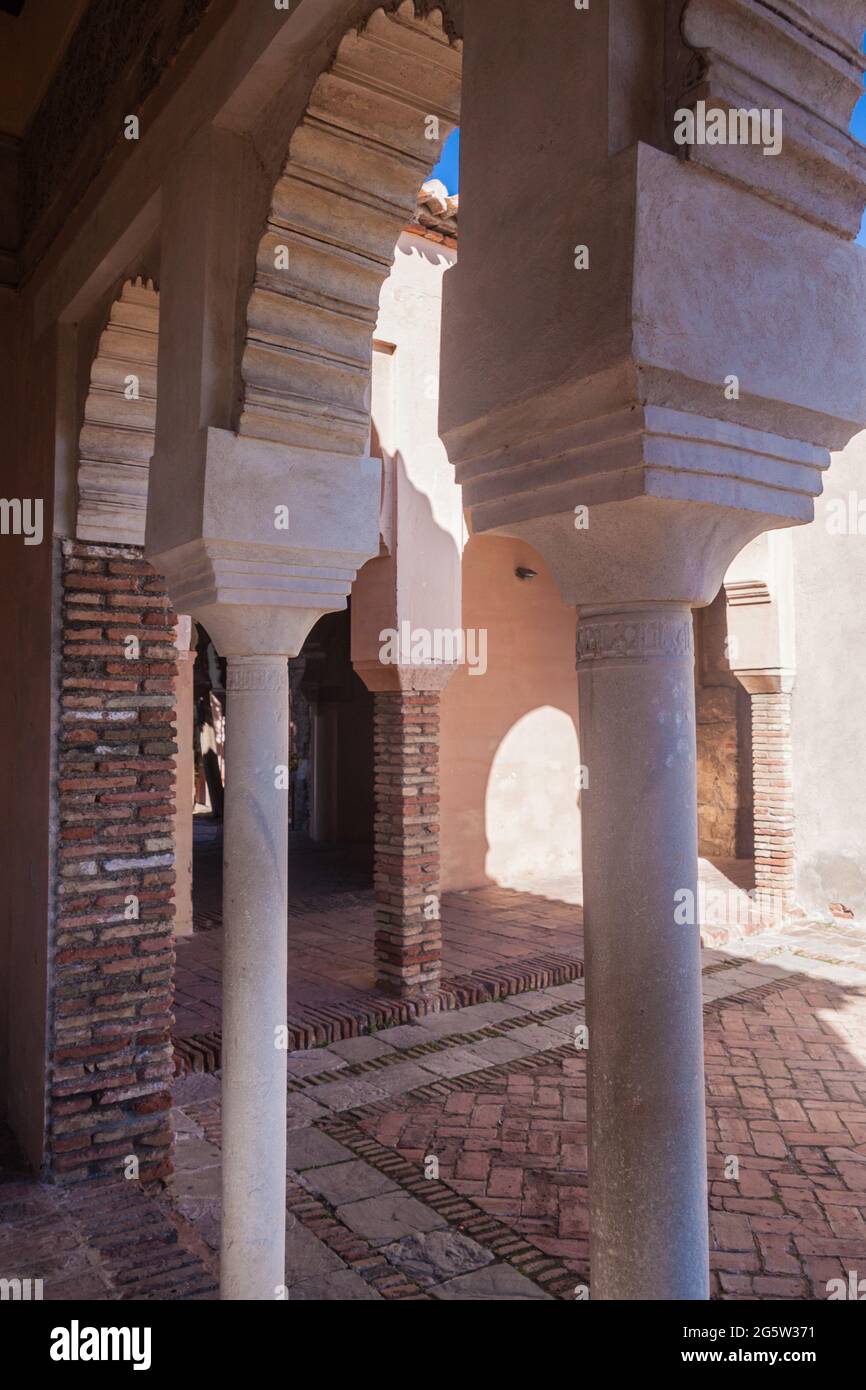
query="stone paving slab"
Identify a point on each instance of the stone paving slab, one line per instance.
(310, 1148)
(408, 1035)
(452, 1063)
(392, 1216)
(347, 1181)
(344, 1095)
(401, 1076)
(537, 1037)
(494, 1284)
(312, 1061)
(501, 1049)
(343, 1285)
(308, 1257)
(302, 1110)
(436, 1256)
(535, 999)
(361, 1049)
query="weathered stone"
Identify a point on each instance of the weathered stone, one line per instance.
(436, 1256)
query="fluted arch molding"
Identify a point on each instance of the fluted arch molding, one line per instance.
(116, 440)
(373, 128)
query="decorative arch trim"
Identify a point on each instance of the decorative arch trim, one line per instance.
(374, 126)
(117, 437)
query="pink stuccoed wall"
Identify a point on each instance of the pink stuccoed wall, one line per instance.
(509, 748)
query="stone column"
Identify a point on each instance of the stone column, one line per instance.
(647, 1137)
(184, 778)
(258, 599)
(255, 869)
(259, 533)
(613, 411)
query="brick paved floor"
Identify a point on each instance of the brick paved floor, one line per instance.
(495, 937)
(331, 934)
(495, 1094)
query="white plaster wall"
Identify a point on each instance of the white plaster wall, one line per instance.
(829, 699)
(531, 811)
(509, 752)
(509, 749)
(429, 509)
(420, 581)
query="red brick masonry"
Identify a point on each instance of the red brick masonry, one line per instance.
(110, 1055)
(408, 941)
(774, 798)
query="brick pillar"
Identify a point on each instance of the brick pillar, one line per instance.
(408, 944)
(773, 793)
(112, 971)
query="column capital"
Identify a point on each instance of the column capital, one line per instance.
(765, 680)
(273, 543)
(645, 367)
(257, 673)
(380, 677)
(616, 637)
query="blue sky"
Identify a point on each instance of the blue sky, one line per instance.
(448, 168)
(858, 129)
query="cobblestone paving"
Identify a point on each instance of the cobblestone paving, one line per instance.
(495, 1094)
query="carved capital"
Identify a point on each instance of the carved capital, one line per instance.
(257, 673)
(275, 541)
(431, 678)
(620, 639)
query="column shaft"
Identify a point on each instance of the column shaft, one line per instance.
(255, 869)
(647, 1137)
(408, 944)
(183, 790)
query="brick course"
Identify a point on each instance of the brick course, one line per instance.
(773, 798)
(408, 940)
(112, 977)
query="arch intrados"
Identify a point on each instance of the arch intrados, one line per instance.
(373, 127)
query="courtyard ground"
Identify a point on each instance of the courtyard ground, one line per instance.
(446, 1157)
